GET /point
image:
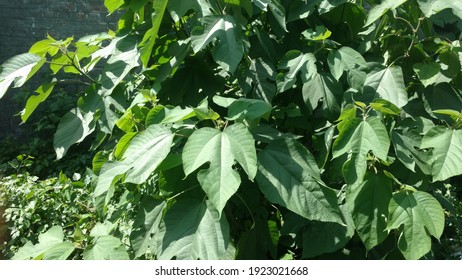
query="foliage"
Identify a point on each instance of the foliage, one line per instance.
(243, 129)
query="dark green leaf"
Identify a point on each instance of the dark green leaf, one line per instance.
(288, 175)
(368, 202)
(193, 229)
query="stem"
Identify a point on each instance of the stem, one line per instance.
(79, 69)
(70, 81)
(182, 192)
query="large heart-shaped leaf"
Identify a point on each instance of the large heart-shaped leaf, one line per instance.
(421, 216)
(144, 153)
(288, 175)
(368, 202)
(361, 136)
(193, 229)
(220, 181)
(325, 89)
(50, 247)
(106, 248)
(388, 84)
(229, 50)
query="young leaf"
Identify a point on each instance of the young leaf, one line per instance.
(18, 70)
(229, 51)
(385, 107)
(43, 91)
(193, 229)
(106, 248)
(220, 181)
(421, 216)
(113, 5)
(447, 152)
(288, 175)
(368, 202)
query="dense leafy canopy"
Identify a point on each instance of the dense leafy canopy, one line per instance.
(262, 129)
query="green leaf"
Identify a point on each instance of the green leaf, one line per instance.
(262, 77)
(279, 12)
(124, 59)
(387, 84)
(229, 50)
(358, 137)
(145, 225)
(150, 36)
(193, 229)
(144, 153)
(421, 215)
(368, 202)
(113, 5)
(220, 181)
(161, 114)
(249, 109)
(320, 34)
(428, 73)
(455, 115)
(379, 10)
(431, 7)
(18, 70)
(288, 175)
(325, 89)
(73, 128)
(50, 246)
(361, 136)
(385, 107)
(344, 59)
(320, 237)
(106, 248)
(179, 8)
(295, 62)
(43, 91)
(447, 152)
(43, 47)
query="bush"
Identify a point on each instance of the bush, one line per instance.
(263, 129)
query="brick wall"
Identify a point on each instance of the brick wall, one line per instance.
(23, 22)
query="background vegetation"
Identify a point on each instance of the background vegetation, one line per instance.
(242, 129)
